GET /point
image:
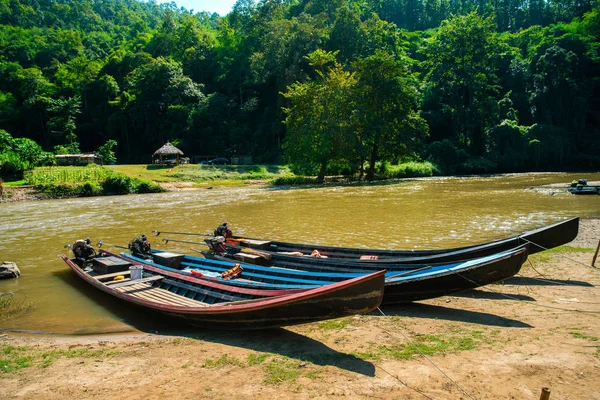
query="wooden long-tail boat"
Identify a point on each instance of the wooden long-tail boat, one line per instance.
(220, 306)
(437, 281)
(275, 252)
(427, 282)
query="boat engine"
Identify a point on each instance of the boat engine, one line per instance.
(140, 247)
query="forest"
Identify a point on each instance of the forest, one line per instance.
(327, 86)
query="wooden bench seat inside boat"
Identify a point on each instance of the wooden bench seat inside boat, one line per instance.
(121, 283)
(157, 295)
(113, 275)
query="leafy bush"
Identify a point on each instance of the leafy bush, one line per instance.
(477, 165)
(341, 169)
(107, 153)
(257, 169)
(90, 189)
(117, 184)
(411, 169)
(143, 186)
(58, 191)
(508, 146)
(20, 154)
(293, 180)
(446, 155)
(11, 165)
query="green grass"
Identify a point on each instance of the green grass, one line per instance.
(429, 345)
(570, 249)
(407, 170)
(13, 358)
(291, 179)
(65, 181)
(579, 335)
(223, 361)
(16, 183)
(281, 370)
(547, 255)
(62, 175)
(49, 357)
(335, 324)
(257, 358)
(215, 174)
(59, 182)
(276, 369)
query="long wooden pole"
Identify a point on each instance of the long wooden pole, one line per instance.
(545, 394)
(595, 254)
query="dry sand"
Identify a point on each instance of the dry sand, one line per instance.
(506, 341)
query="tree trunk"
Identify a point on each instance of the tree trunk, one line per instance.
(371, 172)
(361, 168)
(321, 177)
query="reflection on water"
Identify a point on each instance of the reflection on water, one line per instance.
(420, 213)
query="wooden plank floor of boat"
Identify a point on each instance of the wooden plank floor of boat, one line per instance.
(158, 295)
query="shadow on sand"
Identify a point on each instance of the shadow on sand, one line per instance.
(526, 281)
(420, 310)
(276, 341)
(484, 294)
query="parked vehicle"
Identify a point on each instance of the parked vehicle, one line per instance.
(219, 161)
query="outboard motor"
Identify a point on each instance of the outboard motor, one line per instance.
(140, 247)
(216, 244)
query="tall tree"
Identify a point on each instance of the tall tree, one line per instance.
(389, 124)
(319, 129)
(461, 82)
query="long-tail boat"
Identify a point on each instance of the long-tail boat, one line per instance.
(292, 255)
(221, 306)
(426, 282)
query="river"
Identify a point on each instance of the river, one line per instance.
(420, 213)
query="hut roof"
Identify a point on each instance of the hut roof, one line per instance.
(168, 149)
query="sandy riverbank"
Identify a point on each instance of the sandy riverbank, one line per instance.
(503, 341)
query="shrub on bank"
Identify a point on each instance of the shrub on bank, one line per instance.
(410, 170)
(90, 189)
(293, 180)
(59, 191)
(144, 186)
(117, 184)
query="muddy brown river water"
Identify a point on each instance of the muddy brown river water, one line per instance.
(420, 213)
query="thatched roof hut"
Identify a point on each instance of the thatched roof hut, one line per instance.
(167, 154)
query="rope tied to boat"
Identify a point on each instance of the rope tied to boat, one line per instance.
(427, 358)
(528, 302)
(560, 255)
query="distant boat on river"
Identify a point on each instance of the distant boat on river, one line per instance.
(582, 187)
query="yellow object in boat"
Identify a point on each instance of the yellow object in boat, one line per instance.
(119, 278)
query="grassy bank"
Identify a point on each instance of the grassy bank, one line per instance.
(56, 182)
(204, 174)
(59, 182)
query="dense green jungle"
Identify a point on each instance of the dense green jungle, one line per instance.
(326, 86)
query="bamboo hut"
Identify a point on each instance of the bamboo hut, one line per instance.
(168, 154)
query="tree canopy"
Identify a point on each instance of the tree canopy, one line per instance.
(472, 86)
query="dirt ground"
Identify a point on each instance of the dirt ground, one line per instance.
(506, 341)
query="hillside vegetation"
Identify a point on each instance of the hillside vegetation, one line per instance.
(340, 86)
